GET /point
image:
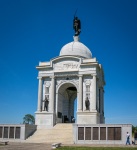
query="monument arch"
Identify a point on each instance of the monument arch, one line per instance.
(66, 94)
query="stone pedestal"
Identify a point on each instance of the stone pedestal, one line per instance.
(44, 119)
(88, 117)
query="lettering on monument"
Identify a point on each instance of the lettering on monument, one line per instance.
(114, 133)
(70, 66)
(80, 133)
(88, 133)
(1, 128)
(11, 134)
(18, 132)
(102, 133)
(95, 133)
(5, 132)
(67, 65)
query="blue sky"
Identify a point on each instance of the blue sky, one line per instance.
(35, 30)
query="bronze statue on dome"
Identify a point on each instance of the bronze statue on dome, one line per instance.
(76, 26)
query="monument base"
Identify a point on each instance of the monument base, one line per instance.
(88, 117)
(44, 119)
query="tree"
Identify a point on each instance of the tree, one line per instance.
(134, 129)
(28, 119)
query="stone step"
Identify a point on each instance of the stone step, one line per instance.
(59, 133)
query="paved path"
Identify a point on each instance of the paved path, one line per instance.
(26, 146)
(45, 146)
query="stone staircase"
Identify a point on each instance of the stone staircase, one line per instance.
(62, 133)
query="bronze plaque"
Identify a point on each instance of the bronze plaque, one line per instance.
(114, 133)
(80, 133)
(1, 132)
(102, 133)
(11, 132)
(95, 133)
(110, 133)
(17, 133)
(88, 133)
(5, 132)
(117, 133)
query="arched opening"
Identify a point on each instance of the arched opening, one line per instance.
(66, 103)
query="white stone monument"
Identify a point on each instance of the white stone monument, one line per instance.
(73, 75)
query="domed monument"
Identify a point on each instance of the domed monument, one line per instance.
(71, 86)
(71, 99)
(70, 107)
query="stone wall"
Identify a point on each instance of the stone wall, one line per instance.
(16, 132)
(101, 133)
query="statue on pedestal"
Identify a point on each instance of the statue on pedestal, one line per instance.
(46, 103)
(87, 103)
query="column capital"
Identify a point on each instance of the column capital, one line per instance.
(94, 75)
(80, 75)
(52, 77)
(39, 77)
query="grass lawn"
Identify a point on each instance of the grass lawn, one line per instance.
(96, 148)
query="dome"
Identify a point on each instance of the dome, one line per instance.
(75, 48)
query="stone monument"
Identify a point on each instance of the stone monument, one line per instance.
(74, 74)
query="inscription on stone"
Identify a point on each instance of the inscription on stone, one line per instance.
(11, 135)
(67, 65)
(95, 133)
(80, 133)
(70, 65)
(5, 132)
(117, 133)
(114, 133)
(17, 133)
(111, 133)
(88, 133)
(1, 132)
(102, 133)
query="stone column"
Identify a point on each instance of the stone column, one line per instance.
(101, 100)
(52, 93)
(39, 94)
(94, 93)
(80, 94)
(56, 104)
(97, 95)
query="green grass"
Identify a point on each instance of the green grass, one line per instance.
(96, 148)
